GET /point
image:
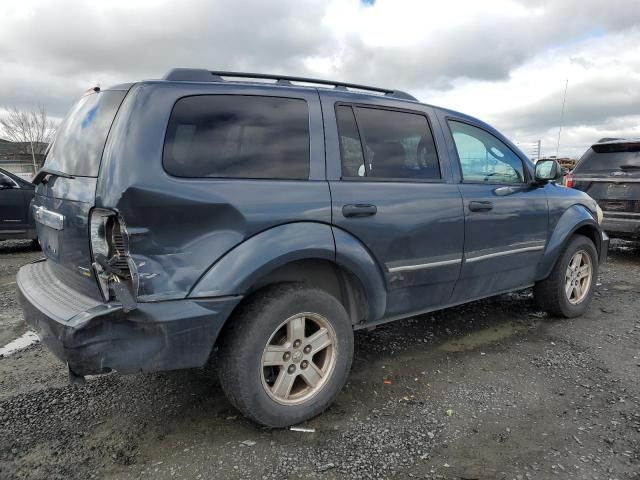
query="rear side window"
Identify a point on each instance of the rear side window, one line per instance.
(238, 136)
(386, 144)
(77, 148)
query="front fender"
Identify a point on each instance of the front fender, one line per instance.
(572, 219)
(242, 266)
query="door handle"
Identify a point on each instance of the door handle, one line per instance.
(480, 206)
(359, 210)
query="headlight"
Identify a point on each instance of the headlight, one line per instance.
(599, 214)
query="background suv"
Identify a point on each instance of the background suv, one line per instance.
(610, 173)
(211, 212)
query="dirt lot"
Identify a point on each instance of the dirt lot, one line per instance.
(494, 389)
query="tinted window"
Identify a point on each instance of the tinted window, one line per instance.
(238, 136)
(483, 157)
(609, 157)
(77, 148)
(397, 145)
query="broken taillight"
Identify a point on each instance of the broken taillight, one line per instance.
(110, 256)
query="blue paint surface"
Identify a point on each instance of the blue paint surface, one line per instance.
(86, 121)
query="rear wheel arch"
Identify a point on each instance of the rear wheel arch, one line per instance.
(325, 275)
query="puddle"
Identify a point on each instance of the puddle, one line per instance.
(477, 339)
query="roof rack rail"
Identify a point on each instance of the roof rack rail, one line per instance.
(202, 75)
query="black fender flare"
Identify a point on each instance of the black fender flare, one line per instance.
(573, 219)
(245, 264)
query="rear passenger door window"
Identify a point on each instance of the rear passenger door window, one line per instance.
(238, 136)
(386, 144)
(484, 158)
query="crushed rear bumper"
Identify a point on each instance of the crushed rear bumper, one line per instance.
(94, 337)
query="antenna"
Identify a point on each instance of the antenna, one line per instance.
(564, 100)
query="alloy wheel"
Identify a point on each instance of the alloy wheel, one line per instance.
(578, 277)
(299, 358)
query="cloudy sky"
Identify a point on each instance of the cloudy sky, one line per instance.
(504, 61)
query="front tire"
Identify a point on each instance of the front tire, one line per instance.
(567, 291)
(286, 354)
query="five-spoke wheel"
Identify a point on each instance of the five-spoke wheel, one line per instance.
(298, 358)
(578, 277)
(569, 287)
(286, 354)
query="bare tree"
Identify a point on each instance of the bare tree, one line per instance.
(32, 129)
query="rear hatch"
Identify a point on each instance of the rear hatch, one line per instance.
(610, 173)
(65, 191)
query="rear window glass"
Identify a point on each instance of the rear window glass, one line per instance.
(77, 148)
(608, 158)
(238, 136)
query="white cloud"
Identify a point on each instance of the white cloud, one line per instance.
(504, 61)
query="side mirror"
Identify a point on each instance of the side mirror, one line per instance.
(547, 170)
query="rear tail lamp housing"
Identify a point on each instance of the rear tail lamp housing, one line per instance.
(112, 265)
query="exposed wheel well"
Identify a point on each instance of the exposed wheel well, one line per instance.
(325, 275)
(591, 233)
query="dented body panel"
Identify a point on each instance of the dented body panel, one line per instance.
(197, 246)
(96, 337)
(179, 227)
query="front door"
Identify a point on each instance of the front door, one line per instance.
(506, 218)
(392, 194)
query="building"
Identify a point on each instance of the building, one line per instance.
(17, 157)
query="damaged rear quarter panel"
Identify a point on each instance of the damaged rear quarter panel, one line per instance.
(179, 227)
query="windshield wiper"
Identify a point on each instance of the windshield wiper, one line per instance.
(44, 173)
(629, 167)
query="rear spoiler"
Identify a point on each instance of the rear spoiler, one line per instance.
(44, 173)
(618, 146)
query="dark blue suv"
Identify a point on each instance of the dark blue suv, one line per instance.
(261, 219)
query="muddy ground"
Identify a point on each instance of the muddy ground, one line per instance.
(494, 389)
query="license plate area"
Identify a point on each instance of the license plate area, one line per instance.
(618, 190)
(49, 241)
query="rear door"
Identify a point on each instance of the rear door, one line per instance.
(610, 174)
(391, 190)
(506, 219)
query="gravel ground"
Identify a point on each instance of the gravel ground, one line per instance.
(493, 389)
(13, 254)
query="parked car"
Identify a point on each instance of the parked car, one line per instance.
(610, 173)
(16, 220)
(208, 213)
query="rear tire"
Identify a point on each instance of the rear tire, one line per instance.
(286, 354)
(567, 291)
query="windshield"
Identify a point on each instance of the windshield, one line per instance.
(77, 148)
(608, 161)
